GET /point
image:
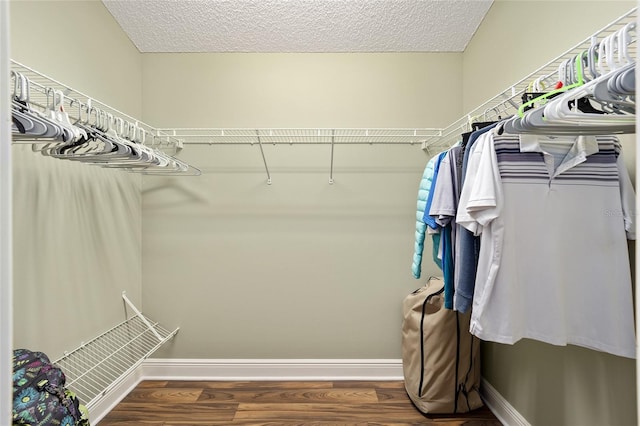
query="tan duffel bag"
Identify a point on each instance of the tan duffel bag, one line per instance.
(440, 358)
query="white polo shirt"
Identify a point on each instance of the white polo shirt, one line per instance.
(554, 215)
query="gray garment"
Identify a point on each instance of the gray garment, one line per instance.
(444, 208)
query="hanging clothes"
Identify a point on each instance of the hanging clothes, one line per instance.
(443, 212)
(467, 244)
(432, 226)
(554, 215)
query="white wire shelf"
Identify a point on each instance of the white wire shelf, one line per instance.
(94, 368)
(506, 103)
(301, 136)
(74, 99)
(332, 137)
(77, 105)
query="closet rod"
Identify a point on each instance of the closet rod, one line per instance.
(506, 102)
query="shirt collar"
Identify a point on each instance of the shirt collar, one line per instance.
(583, 145)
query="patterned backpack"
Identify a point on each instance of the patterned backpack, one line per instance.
(39, 395)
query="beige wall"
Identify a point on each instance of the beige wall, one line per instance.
(299, 268)
(548, 385)
(76, 227)
(301, 90)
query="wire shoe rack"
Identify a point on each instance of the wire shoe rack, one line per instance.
(96, 367)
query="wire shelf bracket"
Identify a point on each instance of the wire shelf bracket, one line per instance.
(264, 159)
(96, 367)
(333, 140)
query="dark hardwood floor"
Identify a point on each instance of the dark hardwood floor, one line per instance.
(362, 403)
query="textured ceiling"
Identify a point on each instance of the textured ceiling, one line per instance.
(299, 25)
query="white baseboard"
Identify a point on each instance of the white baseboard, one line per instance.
(504, 411)
(108, 401)
(272, 369)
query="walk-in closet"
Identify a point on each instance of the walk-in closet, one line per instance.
(225, 192)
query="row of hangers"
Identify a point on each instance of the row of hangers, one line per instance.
(593, 93)
(95, 136)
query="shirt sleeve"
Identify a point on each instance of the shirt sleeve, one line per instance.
(431, 223)
(628, 198)
(443, 205)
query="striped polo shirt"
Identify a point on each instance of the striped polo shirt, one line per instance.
(554, 215)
